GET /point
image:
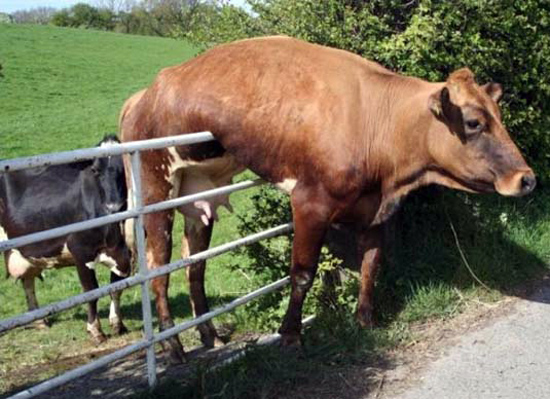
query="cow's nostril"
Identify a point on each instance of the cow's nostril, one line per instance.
(528, 183)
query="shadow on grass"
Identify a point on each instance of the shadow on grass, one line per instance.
(499, 242)
(180, 307)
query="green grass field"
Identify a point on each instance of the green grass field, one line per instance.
(63, 89)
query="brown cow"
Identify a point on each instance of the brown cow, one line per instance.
(345, 137)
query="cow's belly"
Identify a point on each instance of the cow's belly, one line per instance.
(20, 266)
(363, 211)
(191, 177)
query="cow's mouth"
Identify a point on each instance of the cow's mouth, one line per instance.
(475, 185)
(478, 185)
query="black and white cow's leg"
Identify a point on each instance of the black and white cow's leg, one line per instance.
(121, 255)
(88, 280)
(196, 239)
(32, 302)
(115, 316)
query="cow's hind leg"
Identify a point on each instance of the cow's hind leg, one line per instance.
(370, 253)
(196, 239)
(32, 302)
(158, 227)
(311, 214)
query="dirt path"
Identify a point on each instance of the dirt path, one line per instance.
(505, 357)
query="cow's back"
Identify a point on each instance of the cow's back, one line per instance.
(299, 98)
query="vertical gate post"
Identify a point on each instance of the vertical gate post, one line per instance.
(142, 262)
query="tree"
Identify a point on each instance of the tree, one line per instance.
(84, 15)
(39, 15)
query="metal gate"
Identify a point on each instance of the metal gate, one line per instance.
(144, 275)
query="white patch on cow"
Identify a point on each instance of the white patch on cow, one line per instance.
(19, 266)
(106, 260)
(194, 177)
(90, 265)
(94, 328)
(287, 185)
(108, 143)
(129, 224)
(114, 310)
(175, 169)
(3, 234)
(150, 257)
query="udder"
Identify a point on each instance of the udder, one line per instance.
(207, 175)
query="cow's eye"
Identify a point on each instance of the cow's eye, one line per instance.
(474, 124)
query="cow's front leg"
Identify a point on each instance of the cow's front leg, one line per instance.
(158, 228)
(32, 302)
(196, 239)
(369, 243)
(311, 215)
(122, 257)
(88, 281)
(115, 316)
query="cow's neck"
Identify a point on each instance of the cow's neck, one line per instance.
(406, 161)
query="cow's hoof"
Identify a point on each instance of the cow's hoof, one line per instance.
(98, 338)
(365, 319)
(173, 348)
(119, 329)
(210, 339)
(212, 342)
(291, 342)
(42, 324)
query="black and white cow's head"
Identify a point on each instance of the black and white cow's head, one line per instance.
(109, 172)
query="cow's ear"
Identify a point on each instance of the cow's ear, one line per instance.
(447, 112)
(494, 90)
(439, 102)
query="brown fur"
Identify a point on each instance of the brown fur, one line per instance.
(356, 137)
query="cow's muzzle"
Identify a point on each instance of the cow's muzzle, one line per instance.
(518, 184)
(113, 207)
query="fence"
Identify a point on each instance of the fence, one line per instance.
(144, 275)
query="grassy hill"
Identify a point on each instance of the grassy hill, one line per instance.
(63, 89)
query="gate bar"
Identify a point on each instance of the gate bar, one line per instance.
(143, 270)
(28, 317)
(128, 350)
(120, 216)
(98, 152)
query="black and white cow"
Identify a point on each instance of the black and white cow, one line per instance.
(43, 198)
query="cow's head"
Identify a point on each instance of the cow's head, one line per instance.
(469, 142)
(109, 172)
